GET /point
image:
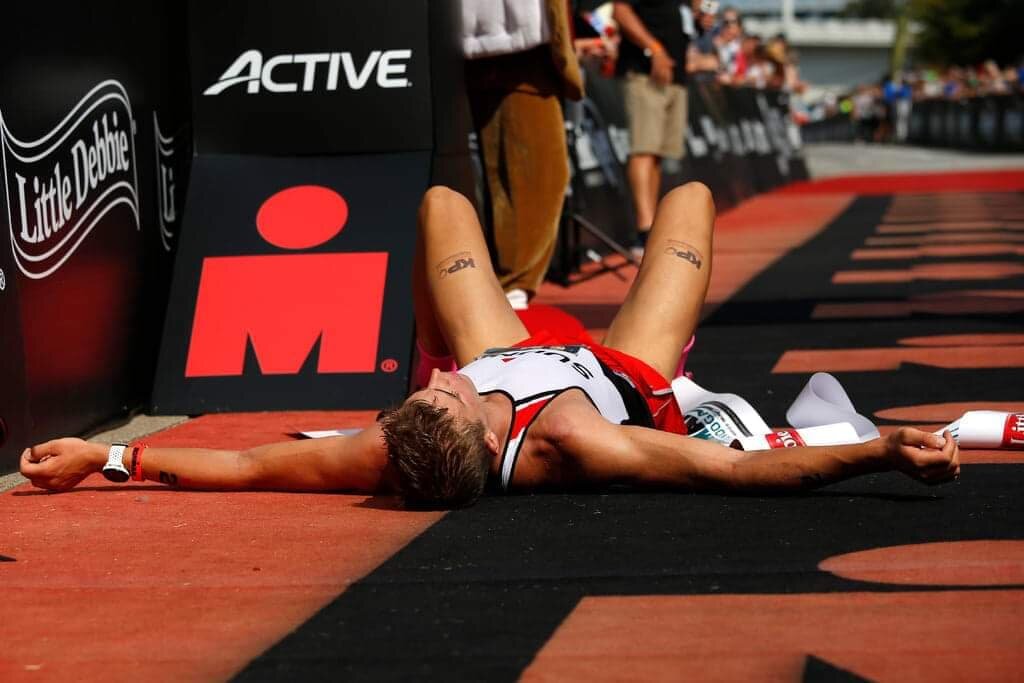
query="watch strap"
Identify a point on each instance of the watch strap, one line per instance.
(114, 469)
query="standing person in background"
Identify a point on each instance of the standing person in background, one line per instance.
(702, 57)
(520, 63)
(729, 41)
(652, 58)
(786, 74)
(689, 11)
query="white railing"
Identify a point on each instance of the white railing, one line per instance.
(827, 32)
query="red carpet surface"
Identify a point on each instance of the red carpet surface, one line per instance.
(908, 288)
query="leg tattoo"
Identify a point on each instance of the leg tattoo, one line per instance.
(686, 252)
(455, 263)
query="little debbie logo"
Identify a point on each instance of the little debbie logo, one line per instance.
(60, 186)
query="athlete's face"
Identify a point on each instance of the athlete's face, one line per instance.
(454, 392)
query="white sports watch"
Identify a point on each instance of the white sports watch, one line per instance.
(115, 470)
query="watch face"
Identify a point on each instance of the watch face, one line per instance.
(116, 475)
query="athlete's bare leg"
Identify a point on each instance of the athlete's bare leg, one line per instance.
(644, 172)
(663, 306)
(460, 307)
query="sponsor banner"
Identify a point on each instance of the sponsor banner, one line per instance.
(1013, 431)
(994, 122)
(291, 285)
(739, 141)
(311, 77)
(822, 414)
(823, 435)
(14, 432)
(713, 416)
(60, 186)
(822, 401)
(784, 439)
(171, 160)
(84, 267)
(835, 128)
(988, 429)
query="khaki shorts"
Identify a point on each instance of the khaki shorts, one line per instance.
(657, 116)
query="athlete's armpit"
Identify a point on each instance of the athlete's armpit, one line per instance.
(455, 263)
(686, 252)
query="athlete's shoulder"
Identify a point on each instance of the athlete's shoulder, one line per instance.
(569, 417)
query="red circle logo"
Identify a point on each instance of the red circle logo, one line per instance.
(301, 217)
(389, 365)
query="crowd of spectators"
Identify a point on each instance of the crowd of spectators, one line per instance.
(881, 111)
(660, 48)
(719, 47)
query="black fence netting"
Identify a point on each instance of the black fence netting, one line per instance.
(739, 142)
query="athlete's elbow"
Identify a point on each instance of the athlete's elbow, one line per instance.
(248, 472)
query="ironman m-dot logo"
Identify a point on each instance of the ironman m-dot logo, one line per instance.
(60, 186)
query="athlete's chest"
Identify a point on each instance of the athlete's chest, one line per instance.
(537, 461)
(533, 376)
(537, 381)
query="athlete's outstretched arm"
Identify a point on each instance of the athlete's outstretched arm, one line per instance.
(612, 454)
(355, 463)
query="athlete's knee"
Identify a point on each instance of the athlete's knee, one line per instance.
(691, 197)
(440, 201)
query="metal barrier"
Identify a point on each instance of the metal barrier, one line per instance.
(992, 123)
(739, 142)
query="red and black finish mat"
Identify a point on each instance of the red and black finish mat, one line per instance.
(876, 578)
(910, 290)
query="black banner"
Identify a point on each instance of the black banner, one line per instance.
(739, 142)
(311, 77)
(990, 123)
(94, 140)
(318, 128)
(292, 285)
(14, 421)
(835, 128)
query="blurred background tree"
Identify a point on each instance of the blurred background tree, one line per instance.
(950, 31)
(968, 31)
(870, 9)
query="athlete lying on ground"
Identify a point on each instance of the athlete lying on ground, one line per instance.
(527, 413)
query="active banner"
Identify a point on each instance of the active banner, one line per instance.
(318, 126)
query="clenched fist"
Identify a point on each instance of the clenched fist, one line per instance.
(927, 457)
(60, 464)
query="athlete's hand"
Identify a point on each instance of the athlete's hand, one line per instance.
(661, 68)
(927, 457)
(60, 464)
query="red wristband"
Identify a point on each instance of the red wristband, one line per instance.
(137, 461)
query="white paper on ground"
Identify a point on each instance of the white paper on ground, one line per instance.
(716, 417)
(824, 401)
(988, 429)
(823, 435)
(323, 434)
(825, 413)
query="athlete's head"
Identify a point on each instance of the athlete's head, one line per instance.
(439, 443)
